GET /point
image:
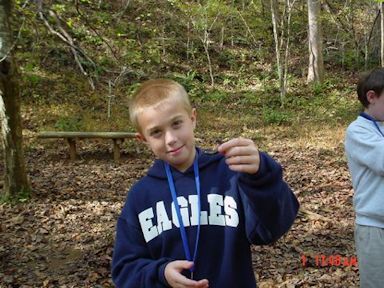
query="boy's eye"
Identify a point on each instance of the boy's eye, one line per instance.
(177, 123)
(155, 133)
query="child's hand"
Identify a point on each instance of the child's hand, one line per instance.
(175, 279)
(242, 155)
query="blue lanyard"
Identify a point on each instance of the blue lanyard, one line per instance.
(369, 117)
(177, 208)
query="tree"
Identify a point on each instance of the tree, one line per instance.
(382, 33)
(203, 18)
(15, 176)
(315, 39)
(353, 33)
(281, 33)
(275, 23)
(79, 54)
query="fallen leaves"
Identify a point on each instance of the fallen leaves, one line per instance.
(64, 236)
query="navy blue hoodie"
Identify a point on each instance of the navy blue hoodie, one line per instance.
(237, 210)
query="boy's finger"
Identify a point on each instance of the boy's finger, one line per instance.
(203, 283)
(233, 143)
(183, 264)
(241, 151)
(245, 160)
(244, 168)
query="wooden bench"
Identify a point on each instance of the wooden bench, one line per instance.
(72, 137)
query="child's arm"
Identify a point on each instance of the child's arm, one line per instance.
(132, 266)
(366, 147)
(269, 204)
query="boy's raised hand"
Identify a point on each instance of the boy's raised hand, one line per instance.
(175, 279)
(242, 155)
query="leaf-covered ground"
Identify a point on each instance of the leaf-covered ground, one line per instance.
(64, 236)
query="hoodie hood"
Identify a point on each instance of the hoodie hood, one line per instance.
(204, 159)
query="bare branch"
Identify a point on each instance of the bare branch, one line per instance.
(94, 30)
(66, 38)
(122, 12)
(25, 4)
(124, 71)
(14, 43)
(249, 29)
(346, 27)
(214, 20)
(69, 38)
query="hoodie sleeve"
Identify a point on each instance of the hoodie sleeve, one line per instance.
(132, 264)
(270, 205)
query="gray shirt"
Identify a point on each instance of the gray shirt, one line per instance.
(364, 146)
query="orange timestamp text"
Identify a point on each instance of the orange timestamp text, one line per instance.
(321, 260)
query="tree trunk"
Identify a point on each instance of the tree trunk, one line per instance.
(221, 45)
(289, 6)
(15, 176)
(232, 26)
(188, 39)
(382, 34)
(206, 48)
(275, 23)
(315, 39)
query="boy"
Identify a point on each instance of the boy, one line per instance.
(225, 202)
(364, 146)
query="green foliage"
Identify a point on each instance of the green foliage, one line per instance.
(349, 59)
(250, 98)
(187, 80)
(65, 123)
(227, 59)
(319, 88)
(23, 196)
(216, 95)
(132, 88)
(32, 79)
(276, 116)
(94, 40)
(59, 8)
(333, 101)
(152, 42)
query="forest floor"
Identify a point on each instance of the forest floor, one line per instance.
(63, 236)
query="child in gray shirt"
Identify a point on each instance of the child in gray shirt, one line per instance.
(364, 146)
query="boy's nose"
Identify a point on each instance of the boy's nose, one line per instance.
(170, 138)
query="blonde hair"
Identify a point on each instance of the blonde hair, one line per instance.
(154, 91)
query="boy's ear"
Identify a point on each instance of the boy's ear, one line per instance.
(194, 117)
(139, 137)
(371, 96)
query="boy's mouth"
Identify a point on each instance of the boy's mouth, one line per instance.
(174, 151)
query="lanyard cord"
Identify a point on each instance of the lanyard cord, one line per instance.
(177, 208)
(366, 116)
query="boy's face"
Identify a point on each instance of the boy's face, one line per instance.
(376, 105)
(167, 128)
